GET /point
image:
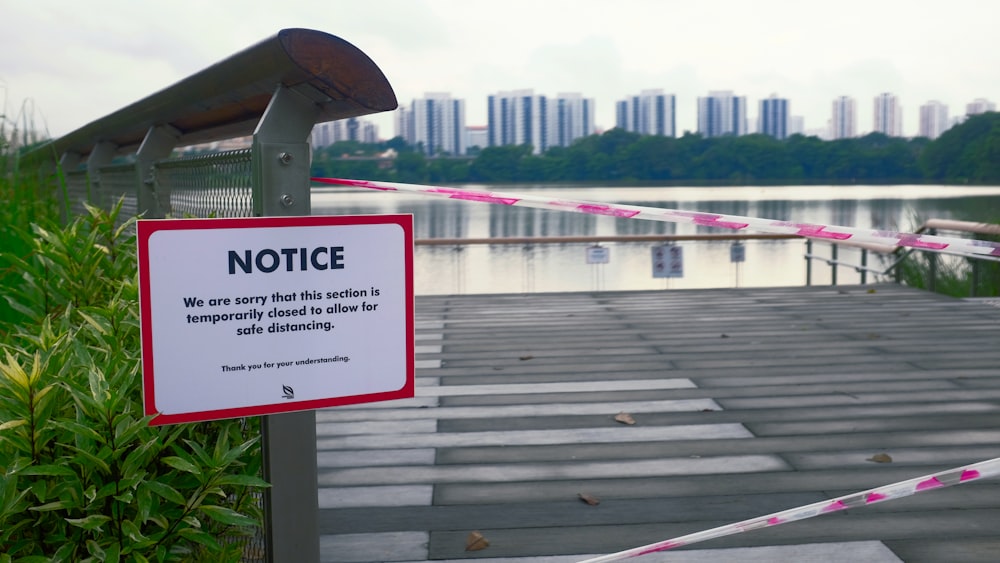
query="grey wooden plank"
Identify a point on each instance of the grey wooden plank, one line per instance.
(936, 548)
(919, 446)
(852, 479)
(568, 511)
(837, 527)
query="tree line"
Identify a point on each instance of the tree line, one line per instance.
(968, 153)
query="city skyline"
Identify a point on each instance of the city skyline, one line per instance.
(76, 63)
(653, 112)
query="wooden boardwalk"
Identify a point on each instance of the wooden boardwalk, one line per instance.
(745, 402)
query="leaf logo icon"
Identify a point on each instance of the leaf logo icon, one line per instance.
(289, 392)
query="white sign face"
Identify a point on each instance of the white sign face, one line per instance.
(668, 261)
(737, 253)
(598, 255)
(246, 317)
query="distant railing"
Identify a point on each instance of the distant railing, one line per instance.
(894, 257)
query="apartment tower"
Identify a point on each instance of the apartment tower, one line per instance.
(435, 123)
(773, 117)
(888, 115)
(844, 121)
(518, 117)
(650, 113)
(933, 119)
(722, 113)
(571, 118)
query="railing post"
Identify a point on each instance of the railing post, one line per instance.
(976, 272)
(159, 142)
(833, 264)
(281, 187)
(67, 161)
(809, 262)
(864, 266)
(100, 156)
(932, 266)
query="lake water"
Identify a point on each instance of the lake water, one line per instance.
(519, 268)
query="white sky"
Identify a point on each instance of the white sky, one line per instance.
(75, 62)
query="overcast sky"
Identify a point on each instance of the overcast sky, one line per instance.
(75, 62)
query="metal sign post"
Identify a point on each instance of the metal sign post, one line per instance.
(281, 187)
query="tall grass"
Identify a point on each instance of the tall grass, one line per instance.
(27, 196)
(954, 275)
(83, 477)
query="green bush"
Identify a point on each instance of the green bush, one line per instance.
(83, 477)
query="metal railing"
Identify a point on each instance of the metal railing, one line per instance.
(893, 258)
(274, 91)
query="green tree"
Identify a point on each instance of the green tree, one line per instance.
(966, 153)
(499, 164)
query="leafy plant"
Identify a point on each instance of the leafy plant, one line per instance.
(83, 477)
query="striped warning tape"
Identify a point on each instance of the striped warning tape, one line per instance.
(845, 235)
(965, 474)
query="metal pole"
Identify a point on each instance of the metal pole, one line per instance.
(833, 265)
(974, 290)
(864, 266)
(809, 262)
(932, 266)
(281, 187)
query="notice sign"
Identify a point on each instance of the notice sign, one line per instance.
(248, 317)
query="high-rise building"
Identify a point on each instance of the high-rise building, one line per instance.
(979, 105)
(773, 117)
(722, 113)
(518, 117)
(933, 119)
(888, 116)
(476, 136)
(844, 122)
(650, 113)
(351, 129)
(571, 117)
(435, 123)
(796, 125)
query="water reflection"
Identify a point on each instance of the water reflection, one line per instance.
(563, 267)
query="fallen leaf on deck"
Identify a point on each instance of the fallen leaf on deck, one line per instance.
(871, 291)
(476, 542)
(624, 418)
(592, 501)
(522, 358)
(880, 458)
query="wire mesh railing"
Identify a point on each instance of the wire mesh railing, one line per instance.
(77, 192)
(116, 182)
(213, 185)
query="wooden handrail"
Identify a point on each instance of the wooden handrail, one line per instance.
(961, 226)
(227, 99)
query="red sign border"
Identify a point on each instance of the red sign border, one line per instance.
(145, 229)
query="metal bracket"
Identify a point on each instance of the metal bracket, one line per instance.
(159, 141)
